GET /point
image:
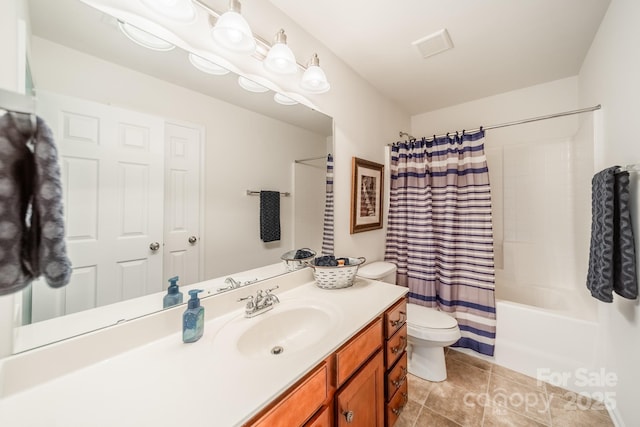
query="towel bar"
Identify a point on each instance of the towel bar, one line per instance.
(257, 193)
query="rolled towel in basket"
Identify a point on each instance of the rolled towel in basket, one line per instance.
(269, 216)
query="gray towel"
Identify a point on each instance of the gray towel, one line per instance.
(269, 216)
(31, 219)
(612, 256)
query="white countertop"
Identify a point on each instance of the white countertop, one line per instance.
(168, 383)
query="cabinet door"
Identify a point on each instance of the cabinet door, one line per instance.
(361, 401)
(321, 419)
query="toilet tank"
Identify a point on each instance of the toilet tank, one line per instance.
(379, 270)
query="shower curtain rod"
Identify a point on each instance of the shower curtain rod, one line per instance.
(310, 159)
(533, 119)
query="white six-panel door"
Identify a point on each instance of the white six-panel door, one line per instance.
(112, 164)
(182, 202)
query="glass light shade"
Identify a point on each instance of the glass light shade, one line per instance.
(232, 32)
(178, 10)
(207, 66)
(314, 80)
(280, 59)
(250, 85)
(283, 99)
(143, 38)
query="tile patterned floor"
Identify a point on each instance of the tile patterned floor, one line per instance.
(478, 393)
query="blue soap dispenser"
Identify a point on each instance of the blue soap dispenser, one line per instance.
(193, 318)
(173, 296)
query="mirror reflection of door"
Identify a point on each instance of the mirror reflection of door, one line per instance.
(182, 248)
(115, 164)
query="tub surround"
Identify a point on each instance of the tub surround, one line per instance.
(140, 372)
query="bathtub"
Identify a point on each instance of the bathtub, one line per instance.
(549, 343)
(545, 343)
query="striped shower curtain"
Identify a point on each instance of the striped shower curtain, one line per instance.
(327, 232)
(439, 231)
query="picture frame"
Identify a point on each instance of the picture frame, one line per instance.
(367, 184)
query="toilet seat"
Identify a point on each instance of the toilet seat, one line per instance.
(430, 324)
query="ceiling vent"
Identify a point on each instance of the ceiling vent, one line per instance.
(434, 43)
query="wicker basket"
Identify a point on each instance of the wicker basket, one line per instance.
(337, 277)
(293, 264)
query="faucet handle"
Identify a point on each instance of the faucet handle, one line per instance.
(250, 303)
(272, 289)
(250, 298)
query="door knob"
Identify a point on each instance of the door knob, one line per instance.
(154, 246)
(193, 239)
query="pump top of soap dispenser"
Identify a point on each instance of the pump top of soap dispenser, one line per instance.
(173, 286)
(194, 301)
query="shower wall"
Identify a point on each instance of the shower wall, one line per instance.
(540, 178)
(541, 204)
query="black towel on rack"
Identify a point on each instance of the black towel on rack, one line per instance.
(269, 216)
(612, 256)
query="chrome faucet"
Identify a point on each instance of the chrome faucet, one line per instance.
(263, 301)
(232, 284)
(235, 284)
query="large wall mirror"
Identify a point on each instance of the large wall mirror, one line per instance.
(157, 160)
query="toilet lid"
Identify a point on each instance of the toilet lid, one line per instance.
(425, 317)
(376, 270)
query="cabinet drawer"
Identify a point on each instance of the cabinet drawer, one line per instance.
(353, 354)
(395, 317)
(396, 377)
(396, 345)
(299, 404)
(397, 404)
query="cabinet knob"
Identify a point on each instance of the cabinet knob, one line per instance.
(348, 415)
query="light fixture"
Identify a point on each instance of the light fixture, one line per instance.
(179, 10)
(232, 31)
(143, 38)
(207, 66)
(283, 99)
(250, 85)
(280, 58)
(314, 80)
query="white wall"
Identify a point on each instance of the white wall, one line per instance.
(238, 157)
(365, 121)
(609, 76)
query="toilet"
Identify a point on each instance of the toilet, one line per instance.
(429, 330)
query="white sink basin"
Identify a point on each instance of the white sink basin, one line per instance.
(290, 327)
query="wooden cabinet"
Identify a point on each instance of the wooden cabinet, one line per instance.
(360, 403)
(363, 383)
(395, 361)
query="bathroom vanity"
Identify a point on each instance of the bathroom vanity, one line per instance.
(342, 358)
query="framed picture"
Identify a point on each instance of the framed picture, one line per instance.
(366, 195)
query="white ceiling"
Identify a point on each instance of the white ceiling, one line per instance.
(499, 45)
